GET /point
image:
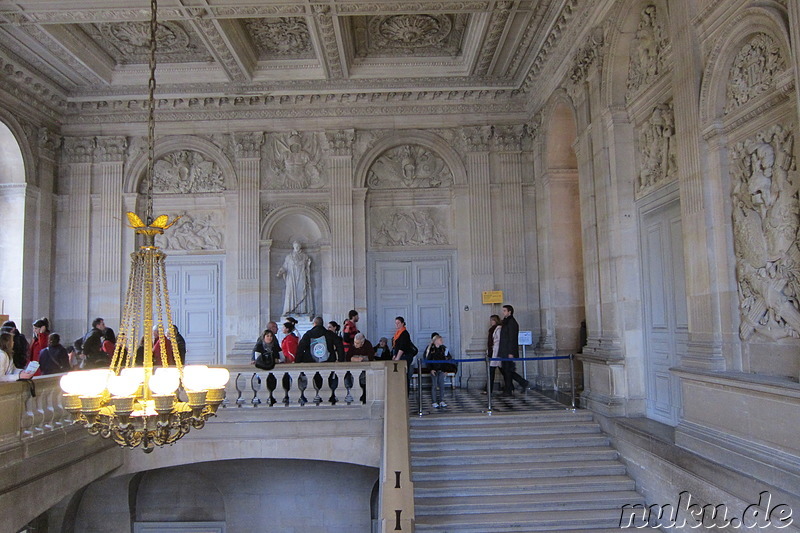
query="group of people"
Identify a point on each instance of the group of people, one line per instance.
(319, 344)
(95, 349)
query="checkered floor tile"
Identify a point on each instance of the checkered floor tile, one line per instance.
(462, 400)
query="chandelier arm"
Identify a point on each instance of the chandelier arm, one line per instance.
(159, 294)
(122, 355)
(173, 338)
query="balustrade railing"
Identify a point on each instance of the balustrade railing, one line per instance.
(298, 387)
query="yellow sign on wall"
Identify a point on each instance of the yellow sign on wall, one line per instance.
(492, 297)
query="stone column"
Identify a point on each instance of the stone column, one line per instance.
(247, 149)
(106, 229)
(340, 159)
(359, 217)
(72, 299)
(477, 140)
(701, 222)
(44, 225)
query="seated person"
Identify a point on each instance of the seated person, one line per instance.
(361, 350)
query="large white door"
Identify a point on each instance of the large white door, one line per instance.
(666, 317)
(419, 290)
(195, 298)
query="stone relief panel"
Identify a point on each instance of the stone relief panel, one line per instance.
(409, 166)
(766, 221)
(754, 70)
(647, 51)
(129, 42)
(193, 232)
(294, 161)
(657, 150)
(403, 34)
(421, 226)
(187, 171)
(280, 38)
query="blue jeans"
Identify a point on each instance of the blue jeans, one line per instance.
(437, 386)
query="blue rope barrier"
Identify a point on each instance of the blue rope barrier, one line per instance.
(483, 359)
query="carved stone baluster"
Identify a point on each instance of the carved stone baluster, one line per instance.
(333, 383)
(348, 384)
(240, 385)
(255, 384)
(362, 382)
(287, 385)
(272, 384)
(302, 384)
(317, 387)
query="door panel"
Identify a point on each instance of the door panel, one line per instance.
(196, 306)
(665, 315)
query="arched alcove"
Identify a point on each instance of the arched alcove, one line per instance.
(282, 227)
(12, 208)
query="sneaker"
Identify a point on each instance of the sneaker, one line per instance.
(435, 405)
(442, 404)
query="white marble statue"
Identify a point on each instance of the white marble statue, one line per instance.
(296, 270)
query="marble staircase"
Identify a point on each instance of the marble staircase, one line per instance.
(529, 472)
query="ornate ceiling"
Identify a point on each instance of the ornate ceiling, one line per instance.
(86, 53)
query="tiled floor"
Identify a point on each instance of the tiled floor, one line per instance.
(462, 400)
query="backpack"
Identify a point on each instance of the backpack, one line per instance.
(319, 349)
(265, 360)
(413, 350)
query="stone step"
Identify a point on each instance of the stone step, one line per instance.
(509, 443)
(500, 419)
(543, 485)
(501, 522)
(549, 428)
(495, 456)
(241, 354)
(453, 505)
(519, 470)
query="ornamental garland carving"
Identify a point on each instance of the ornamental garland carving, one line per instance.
(409, 166)
(657, 150)
(408, 227)
(647, 51)
(192, 233)
(187, 171)
(283, 37)
(766, 222)
(754, 70)
(294, 161)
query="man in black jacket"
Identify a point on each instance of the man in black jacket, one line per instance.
(509, 348)
(93, 344)
(322, 342)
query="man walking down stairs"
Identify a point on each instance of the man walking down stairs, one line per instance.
(530, 472)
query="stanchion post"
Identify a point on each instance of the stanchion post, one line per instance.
(419, 382)
(572, 377)
(488, 388)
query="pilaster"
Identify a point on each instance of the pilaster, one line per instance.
(340, 159)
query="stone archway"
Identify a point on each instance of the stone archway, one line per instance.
(12, 205)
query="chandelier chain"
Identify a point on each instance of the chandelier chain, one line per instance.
(151, 109)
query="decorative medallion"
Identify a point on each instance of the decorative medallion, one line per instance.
(420, 34)
(187, 171)
(766, 233)
(409, 166)
(754, 70)
(284, 37)
(129, 42)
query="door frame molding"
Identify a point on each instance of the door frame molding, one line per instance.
(219, 261)
(418, 255)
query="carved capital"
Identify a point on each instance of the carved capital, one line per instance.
(508, 138)
(340, 142)
(78, 149)
(477, 138)
(590, 54)
(48, 143)
(247, 145)
(110, 149)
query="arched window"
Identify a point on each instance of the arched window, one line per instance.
(12, 213)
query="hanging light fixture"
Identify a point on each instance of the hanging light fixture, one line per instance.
(135, 405)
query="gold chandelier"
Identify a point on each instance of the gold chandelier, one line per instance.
(137, 405)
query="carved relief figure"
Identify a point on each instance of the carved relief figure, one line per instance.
(296, 270)
(280, 37)
(647, 51)
(766, 221)
(753, 71)
(186, 171)
(657, 150)
(296, 161)
(192, 233)
(408, 228)
(409, 166)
